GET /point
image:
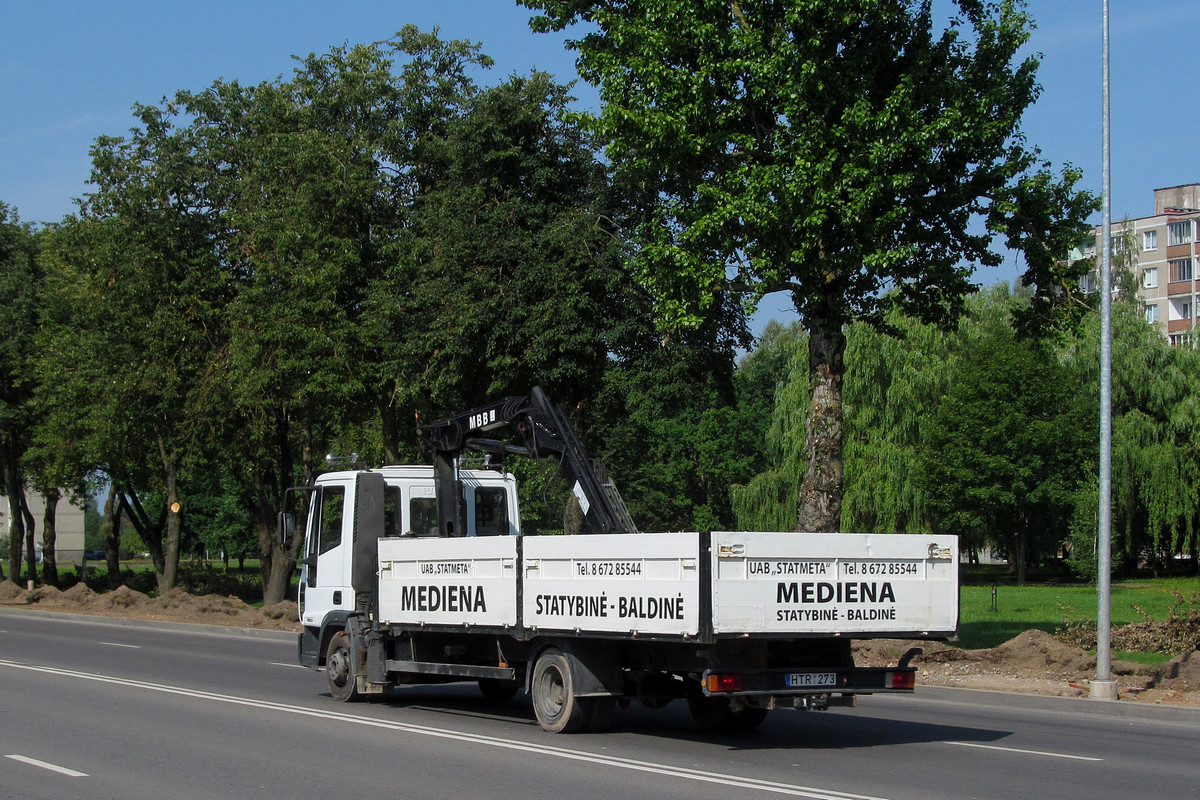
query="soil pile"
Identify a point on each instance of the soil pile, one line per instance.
(1037, 663)
(175, 606)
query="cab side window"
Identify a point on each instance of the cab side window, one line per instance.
(392, 503)
(422, 515)
(333, 504)
(491, 511)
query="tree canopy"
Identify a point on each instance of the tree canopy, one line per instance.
(852, 153)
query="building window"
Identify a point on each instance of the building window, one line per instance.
(1150, 240)
(1152, 313)
(1180, 339)
(1089, 248)
(1150, 278)
(1181, 270)
(1179, 232)
(1088, 283)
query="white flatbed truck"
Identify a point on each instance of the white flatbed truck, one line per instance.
(417, 575)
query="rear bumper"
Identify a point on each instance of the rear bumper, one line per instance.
(798, 682)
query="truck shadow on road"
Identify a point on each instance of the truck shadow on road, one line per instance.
(783, 729)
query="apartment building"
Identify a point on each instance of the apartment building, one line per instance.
(1162, 253)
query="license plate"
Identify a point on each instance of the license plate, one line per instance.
(800, 679)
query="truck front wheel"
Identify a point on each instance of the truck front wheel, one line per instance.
(340, 671)
(557, 708)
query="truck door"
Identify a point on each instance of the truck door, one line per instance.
(327, 554)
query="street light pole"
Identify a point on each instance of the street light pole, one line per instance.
(1104, 687)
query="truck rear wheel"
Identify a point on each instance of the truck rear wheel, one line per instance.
(557, 708)
(715, 714)
(340, 671)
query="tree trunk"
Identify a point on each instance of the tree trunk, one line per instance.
(16, 540)
(30, 545)
(389, 430)
(820, 500)
(276, 564)
(50, 538)
(1021, 551)
(150, 532)
(14, 490)
(112, 534)
(169, 575)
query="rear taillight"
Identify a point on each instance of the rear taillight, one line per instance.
(724, 682)
(899, 680)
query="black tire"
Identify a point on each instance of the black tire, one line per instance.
(746, 719)
(557, 708)
(341, 670)
(715, 714)
(603, 711)
(709, 713)
(498, 691)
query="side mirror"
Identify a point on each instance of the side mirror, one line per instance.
(286, 526)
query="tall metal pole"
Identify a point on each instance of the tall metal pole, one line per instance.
(1104, 687)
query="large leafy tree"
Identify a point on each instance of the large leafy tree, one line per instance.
(1006, 449)
(20, 283)
(848, 152)
(511, 263)
(1156, 444)
(137, 279)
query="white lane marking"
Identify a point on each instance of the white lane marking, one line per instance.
(699, 776)
(47, 765)
(118, 644)
(1025, 752)
(282, 664)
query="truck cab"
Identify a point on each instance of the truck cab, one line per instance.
(327, 576)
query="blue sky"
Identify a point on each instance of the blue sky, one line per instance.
(71, 71)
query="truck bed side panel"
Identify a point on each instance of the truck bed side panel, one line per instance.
(840, 583)
(647, 583)
(464, 582)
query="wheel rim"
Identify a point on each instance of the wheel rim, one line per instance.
(553, 691)
(339, 667)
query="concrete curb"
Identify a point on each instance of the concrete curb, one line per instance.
(192, 628)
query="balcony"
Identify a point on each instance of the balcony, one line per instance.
(1179, 325)
(1180, 287)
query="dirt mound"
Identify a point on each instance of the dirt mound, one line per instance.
(80, 595)
(1037, 663)
(1036, 650)
(174, 606)
(1180, 674)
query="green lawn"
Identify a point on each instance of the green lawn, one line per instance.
(1047, 607)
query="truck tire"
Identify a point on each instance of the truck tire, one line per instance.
(340, 671)
(716, 715)
(498, 691)
(557, 708)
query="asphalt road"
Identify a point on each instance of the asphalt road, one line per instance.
(151, 711)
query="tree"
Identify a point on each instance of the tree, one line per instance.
(514, 264)
(773, 388)
(1156, 444)
(894, 382)
(1007, 446)
(137, 278)
(668, 425)
(842, 151)
(20, 285)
